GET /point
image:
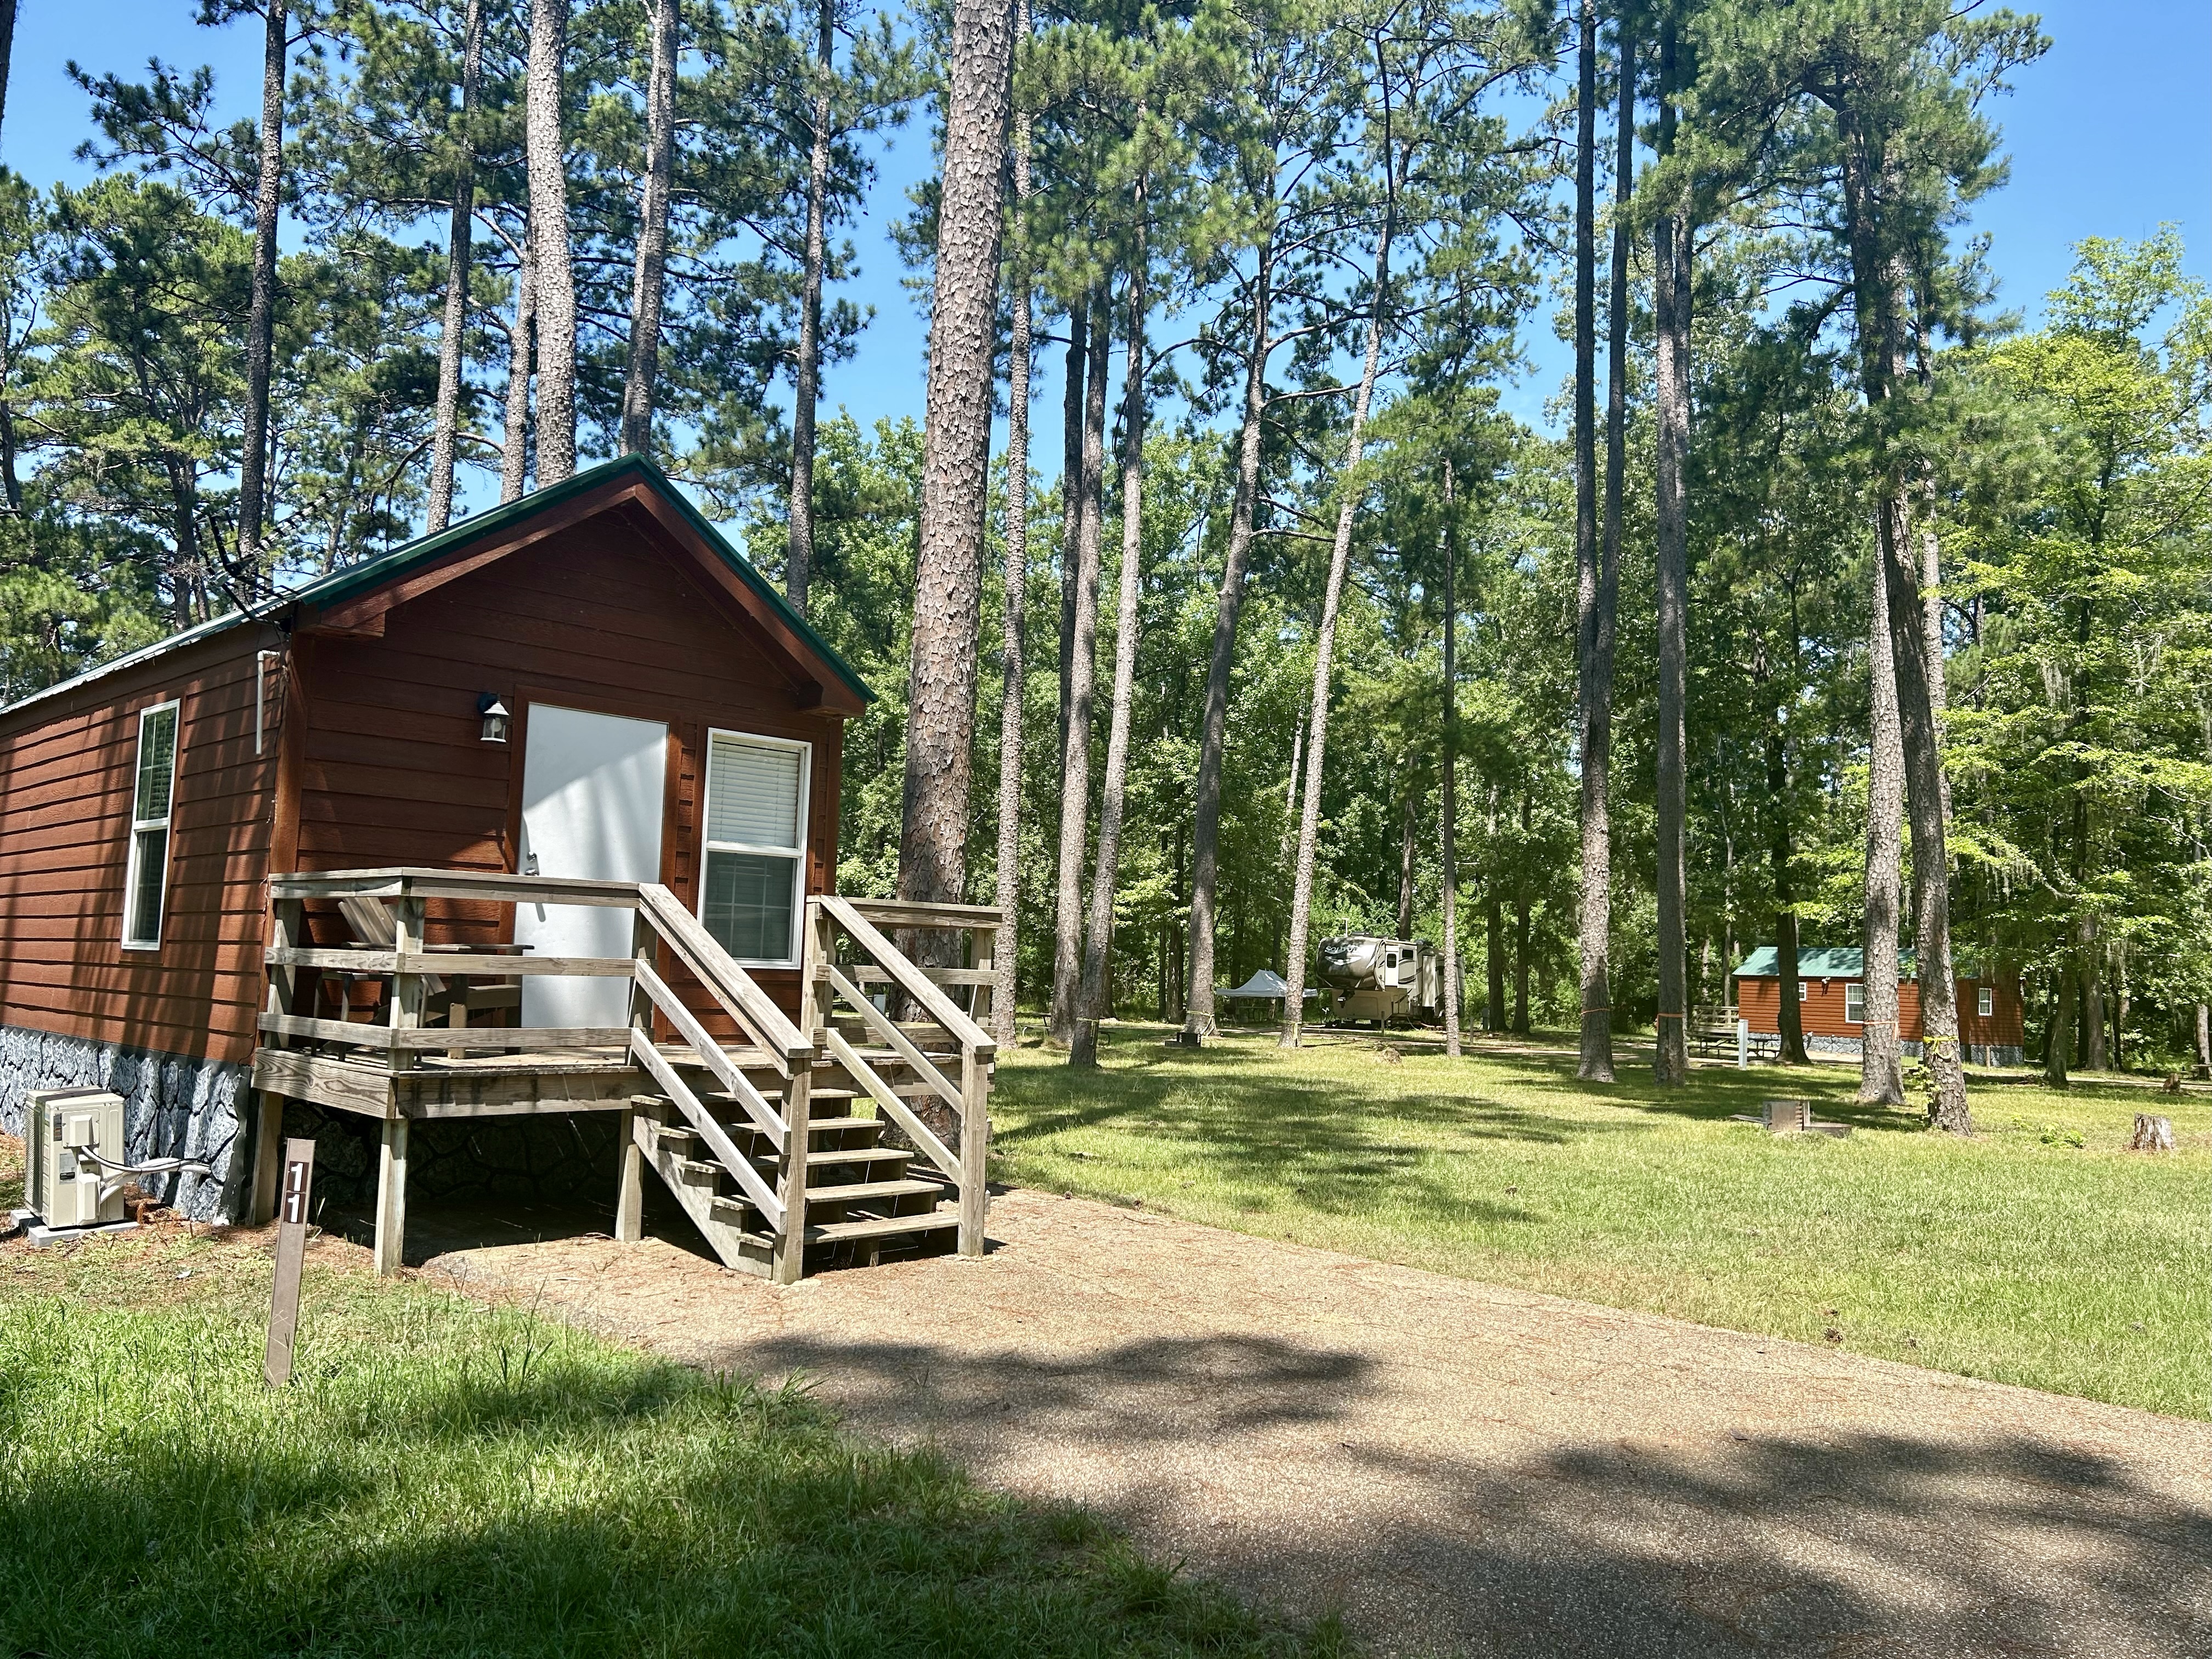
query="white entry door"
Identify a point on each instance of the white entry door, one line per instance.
(592, 787)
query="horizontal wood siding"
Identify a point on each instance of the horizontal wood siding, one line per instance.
(603, 617)
(67, 771)
(1759, 1001)
(375, 734)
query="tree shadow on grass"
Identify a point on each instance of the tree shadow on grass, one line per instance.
(1263, 1460)
(564, 1512)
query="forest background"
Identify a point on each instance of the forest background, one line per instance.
(2059, 450)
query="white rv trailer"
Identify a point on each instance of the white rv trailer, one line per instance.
(1384, 979)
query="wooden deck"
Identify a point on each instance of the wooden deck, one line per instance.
(773, 1144)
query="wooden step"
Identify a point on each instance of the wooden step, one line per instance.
(944, 1219)
(864, 1191)
(834, 1155)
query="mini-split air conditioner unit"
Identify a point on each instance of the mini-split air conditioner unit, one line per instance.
(69, 1134)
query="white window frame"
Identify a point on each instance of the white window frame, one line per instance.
(1801, 992)
(1985, 994)
(1850, 986)
(706, 844)
(166, 823)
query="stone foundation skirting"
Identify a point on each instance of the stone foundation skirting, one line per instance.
(1977, 1053)
(203, 1109)
(172, 1108)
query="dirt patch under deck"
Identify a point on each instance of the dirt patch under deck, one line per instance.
(1458, 1466)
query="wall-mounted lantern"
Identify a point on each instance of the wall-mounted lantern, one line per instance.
(495, 717)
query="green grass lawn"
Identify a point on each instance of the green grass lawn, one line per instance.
(2039, 1252)
(444, 1478)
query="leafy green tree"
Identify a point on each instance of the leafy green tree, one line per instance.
(2081, 753)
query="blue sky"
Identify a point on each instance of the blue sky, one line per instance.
(2111, 134)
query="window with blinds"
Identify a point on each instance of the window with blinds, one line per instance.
(146, 879)
(751, 873)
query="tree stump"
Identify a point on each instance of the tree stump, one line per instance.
(2153, 1135)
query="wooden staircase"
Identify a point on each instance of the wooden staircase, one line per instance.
(868, 1177)
(865, 1202)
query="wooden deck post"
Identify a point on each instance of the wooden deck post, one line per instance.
(287, 930)
(406, 988)
(268, 1156)
(391, 1196)
(975, 1149)
(629, 1182)
(981, 993)
(789, 1263)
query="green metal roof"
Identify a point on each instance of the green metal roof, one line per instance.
(353, 579)
(1816, 962)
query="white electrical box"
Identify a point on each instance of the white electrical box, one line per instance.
(70, 1131)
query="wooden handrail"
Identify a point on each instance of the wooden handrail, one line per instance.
(741, 998)
(709, 1130)
(711, 1054)
(971, 1037)
(885, 1027)
(943, 918)
(356, 959)
(887, 1100)
(735, 990)
(414, 882)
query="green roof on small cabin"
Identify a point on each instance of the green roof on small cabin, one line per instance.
(1816, 962)
(347, 581)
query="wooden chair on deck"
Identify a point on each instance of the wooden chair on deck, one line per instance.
(445, 1002)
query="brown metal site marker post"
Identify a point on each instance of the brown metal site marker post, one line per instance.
(291, 1246)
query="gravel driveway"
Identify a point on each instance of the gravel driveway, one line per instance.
(1458, 1467)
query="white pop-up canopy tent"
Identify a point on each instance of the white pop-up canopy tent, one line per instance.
(1268, 986)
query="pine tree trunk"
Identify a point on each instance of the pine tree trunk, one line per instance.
(1073, 400)
(7, 49)
(548, 241)
(1596, 578)
(522, 349)
(1670, 250)
(648, 278)
(2095, 1057)
(1881, 1076)
(2204, 1040)
(1493, 915)
(799, 550)
(1792, 1019)
(1521, 934)
(1406, 825)
(1006, 959)
(1449, 851)
(955, 463)
(1083, 677)
(1874, 283)
(1339, 562)
(1093, 1002)
(446, 434)
(1780, 851)
(261, 314)
(2058, 1039)
(1206, 819)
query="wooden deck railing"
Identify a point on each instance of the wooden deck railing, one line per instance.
(850, 927)
(941, 1042)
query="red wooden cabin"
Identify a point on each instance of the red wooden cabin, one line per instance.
(587, 685)
(1831, 1005)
